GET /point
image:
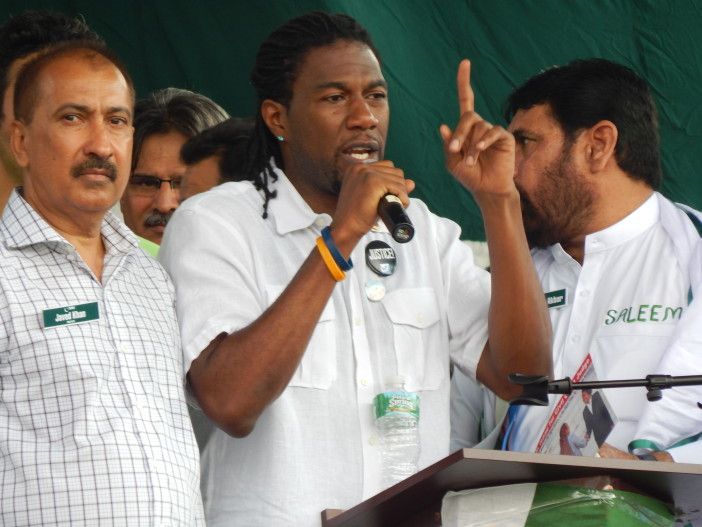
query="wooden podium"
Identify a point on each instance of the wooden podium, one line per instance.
(417, 500)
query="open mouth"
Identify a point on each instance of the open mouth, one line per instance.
(364, 153)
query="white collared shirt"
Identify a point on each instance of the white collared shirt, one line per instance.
(94, 429)
(621, 306)
(675, 423)
(316, 447)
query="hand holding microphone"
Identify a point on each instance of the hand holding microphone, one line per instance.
(368, 191)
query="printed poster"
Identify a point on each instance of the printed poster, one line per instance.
(580, 422)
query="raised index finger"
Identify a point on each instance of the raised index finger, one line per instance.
(466, 99)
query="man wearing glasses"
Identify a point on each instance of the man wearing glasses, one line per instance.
(163, 122)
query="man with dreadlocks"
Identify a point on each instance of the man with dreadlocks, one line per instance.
(284, 350)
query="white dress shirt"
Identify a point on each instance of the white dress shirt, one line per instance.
(622, 306)
(675, 422)
(94, 428)
(316, 446)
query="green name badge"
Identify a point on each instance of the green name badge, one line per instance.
(63, 316)
(556, 298)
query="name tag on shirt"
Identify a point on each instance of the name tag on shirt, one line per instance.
(556, 298)
(63, 316)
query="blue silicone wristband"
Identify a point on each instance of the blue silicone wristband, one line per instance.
(334, 250)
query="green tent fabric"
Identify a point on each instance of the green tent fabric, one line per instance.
(209, 46)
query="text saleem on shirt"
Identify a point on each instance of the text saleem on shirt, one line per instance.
(644, 313)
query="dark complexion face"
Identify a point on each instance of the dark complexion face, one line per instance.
(338, 116)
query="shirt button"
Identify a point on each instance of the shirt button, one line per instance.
(364, 381)
(319, 222)
(373, 440)
(575, 338)
(584, 293)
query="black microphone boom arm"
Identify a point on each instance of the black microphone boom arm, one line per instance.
(536, 388)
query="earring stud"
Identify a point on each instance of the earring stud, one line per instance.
(280, 138)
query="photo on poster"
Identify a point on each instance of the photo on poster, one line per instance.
(580, 422)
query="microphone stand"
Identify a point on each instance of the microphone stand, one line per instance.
(536, 388)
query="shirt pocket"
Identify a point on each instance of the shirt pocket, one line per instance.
(317, 368)
(415, 316)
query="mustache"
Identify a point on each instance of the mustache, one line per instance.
(92, 163)
(156, 219)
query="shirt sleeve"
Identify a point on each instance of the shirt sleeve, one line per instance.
(676, 417)
(689, 453)
(212, 268)
(466, 411)
(467, 289)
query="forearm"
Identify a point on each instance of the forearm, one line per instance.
(519, 327)
(238, 376)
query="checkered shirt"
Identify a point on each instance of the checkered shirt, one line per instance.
(94, 429)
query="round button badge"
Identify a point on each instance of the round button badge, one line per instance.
(381, 258)
(375, 290)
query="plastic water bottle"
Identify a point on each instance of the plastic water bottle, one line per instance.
(397, 420)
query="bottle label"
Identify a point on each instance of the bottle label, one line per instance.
(396, 403)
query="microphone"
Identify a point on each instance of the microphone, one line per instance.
(395, 218)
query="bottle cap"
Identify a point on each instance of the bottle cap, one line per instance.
(395, 382)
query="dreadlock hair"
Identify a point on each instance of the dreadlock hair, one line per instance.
(276, 68)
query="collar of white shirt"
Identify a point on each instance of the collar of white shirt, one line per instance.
(640, 220)
(22, 226)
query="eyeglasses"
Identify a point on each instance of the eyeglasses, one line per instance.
(150, 185)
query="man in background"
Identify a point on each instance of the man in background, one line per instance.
(616, 259)
(163, 122)
(22, 37)
(93, 408)
(216, 155)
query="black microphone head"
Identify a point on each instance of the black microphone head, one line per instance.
(395, 218)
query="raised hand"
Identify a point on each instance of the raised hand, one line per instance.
(477, 153)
